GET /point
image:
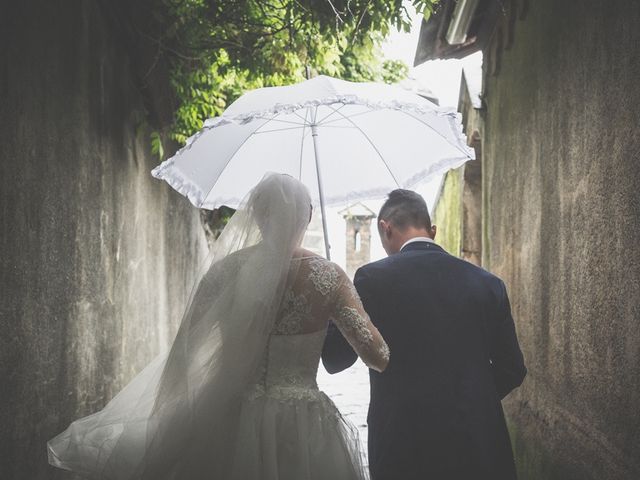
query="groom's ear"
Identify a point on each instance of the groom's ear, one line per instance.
(433, 230)
(384, 228)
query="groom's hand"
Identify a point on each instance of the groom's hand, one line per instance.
(337, 354)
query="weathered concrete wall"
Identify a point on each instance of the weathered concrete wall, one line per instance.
(471, 235)
(97, 257)
(562, 223)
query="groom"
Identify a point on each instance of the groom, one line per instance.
(435, 412)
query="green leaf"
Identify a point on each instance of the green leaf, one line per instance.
(157, 148)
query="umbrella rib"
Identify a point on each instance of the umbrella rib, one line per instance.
(274, 119)
(278, 130)
(370, 143)
(337, 126)
(347, 116)
(304, 119)
(231, 158)
(302, 142)
(319, 122)
(437, 132)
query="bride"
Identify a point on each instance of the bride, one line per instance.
(236, 396)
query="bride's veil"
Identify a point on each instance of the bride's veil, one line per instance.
(184, 405)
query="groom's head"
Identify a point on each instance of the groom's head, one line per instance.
(403, 216)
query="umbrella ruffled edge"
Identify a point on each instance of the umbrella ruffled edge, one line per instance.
(181, 184)
(186, 188)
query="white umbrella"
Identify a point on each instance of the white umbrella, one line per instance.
(373, 138)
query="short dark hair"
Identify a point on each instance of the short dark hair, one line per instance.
(405, 208)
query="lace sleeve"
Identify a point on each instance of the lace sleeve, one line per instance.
(354, 323)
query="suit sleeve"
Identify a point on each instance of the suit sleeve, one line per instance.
(337, 353)
(507, 362)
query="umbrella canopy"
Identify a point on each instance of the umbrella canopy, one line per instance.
(373, 138)
(346, 141)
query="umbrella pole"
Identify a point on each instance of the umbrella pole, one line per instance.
(314, 134)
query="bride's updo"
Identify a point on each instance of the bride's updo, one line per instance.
(281, 207)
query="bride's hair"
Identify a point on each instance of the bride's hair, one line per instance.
(278, 201)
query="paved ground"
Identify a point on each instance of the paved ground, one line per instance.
(349, 390)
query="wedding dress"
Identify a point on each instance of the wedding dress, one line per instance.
(236, 397)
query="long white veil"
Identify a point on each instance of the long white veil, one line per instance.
(184, 405)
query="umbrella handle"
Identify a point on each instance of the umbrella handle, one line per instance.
(314, 134)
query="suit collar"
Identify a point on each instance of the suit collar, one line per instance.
(416, 239)
(421, 245)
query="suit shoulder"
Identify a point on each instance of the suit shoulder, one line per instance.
(485, 277)
(374, 267)
(471, 270)
(485, 274)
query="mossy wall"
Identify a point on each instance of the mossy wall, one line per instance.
(447, 215)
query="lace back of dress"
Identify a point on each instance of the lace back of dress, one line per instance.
(307, 302)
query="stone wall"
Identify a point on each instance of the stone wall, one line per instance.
(562, 223)
(358, 243)
(97, 257)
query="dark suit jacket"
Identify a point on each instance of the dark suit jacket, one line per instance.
(435, 412)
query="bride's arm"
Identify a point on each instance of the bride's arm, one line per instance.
(354, 324)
